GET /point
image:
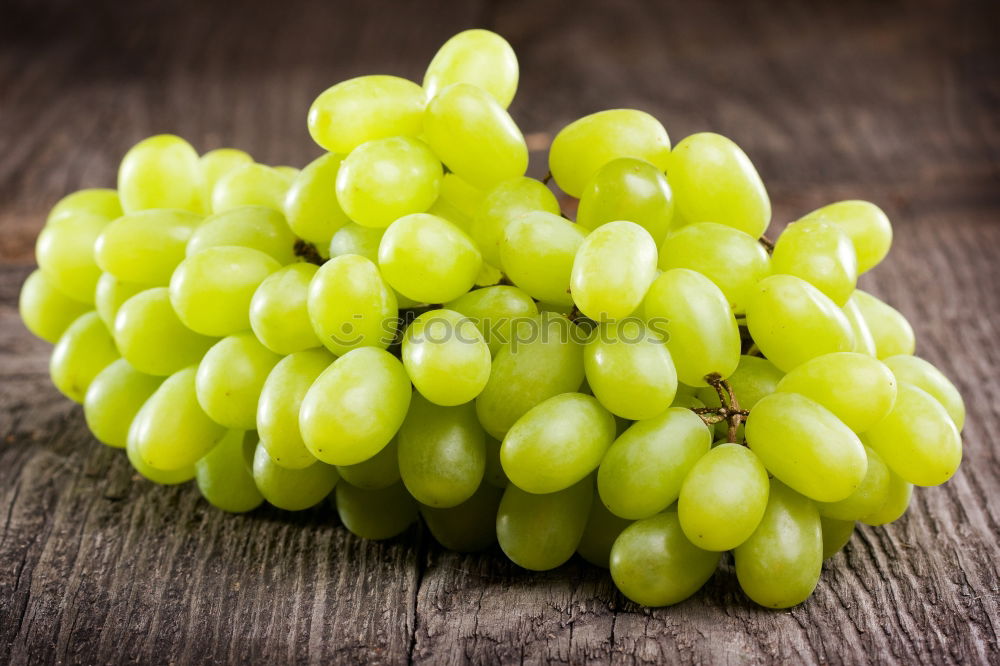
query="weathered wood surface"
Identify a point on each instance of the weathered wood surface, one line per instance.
(894, 102)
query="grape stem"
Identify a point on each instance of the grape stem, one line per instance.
(308, 251)
(547, 178)
(728, 410)
(767, 243)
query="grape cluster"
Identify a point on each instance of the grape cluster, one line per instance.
(411, 325)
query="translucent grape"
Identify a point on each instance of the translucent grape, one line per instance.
(292, 489)
(442, 453)
(230, 379)
(255, 227)
(723, 498)
(540, 532)
(537, 253)
(279, 403)
(279, 315)
(836, 534)
(613, 268)
(603, 528)
(355, 239)
(508, 201)
(163, 477)
(224, 474)
(628, 189)
(379, 471)
(145, 247)
(311, 205)
(217, 163)
(113, 399)
(918, 439)
(375, 514)
(587, 144)
(821, 253)
(160, 172)
(630, 370)
(779, 565)
(251, 185)
(865, 224)
(642, 472)
(734, 260)
(918, 372)
(82, 351)
(792, 321)
(355, 406)
(469, 526)
(714, 181)
(364, 109)
(99, 201)
(152, 338)
(892, 334)
(446, 357)
(864, 343)
(111, 294)
(867, 499)
(654, 564)
(350, 305)
(65, 254)
(896, 502)
(211, 290)
(382, 180)
(474, 136)
(557, 443)
(46, 311)
(478, 57)
(495, 310)
(805, 446)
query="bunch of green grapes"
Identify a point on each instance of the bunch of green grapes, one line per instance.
(409, 327)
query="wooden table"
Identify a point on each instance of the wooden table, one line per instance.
(894, 102)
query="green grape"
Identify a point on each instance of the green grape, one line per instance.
(279, 403)
(896, 502)
(461, 196)
(110, 294)
(723, 497)
(587, 144)
(114, 398)
(152, 339)
(442, 453)
(541, 532)
(46, 311)
(892, 334)
(171, 431)
(217, 163)
(654, 564)
(494, 474)
(494, 310)
(292, 489)
(603, 528)
(792, 321)
(366, 108)
(694, 317)
(821, 253)
(477, 57)
(375, 514)
(508, 201)
(469, 526)
(211, 290)
(255, 227)
(918, 439)
(251, 185)
(867, 499)
(630, 370)
(224, 474)
(866, 225)
(542, 360)
(488, 276)
(628, 189)
(279, 315)
(864, 343)
(65, 254)
(836, 534)
(102, 202)
(170, 477)
(537, 253)
(385, 179)
(145, 247)
(918, 372)
(230, 379)
(642, 472)
(81, 352)
(311, 205)
(779, 565)
(379, 471)
(613, 268)
(350, 305)
(557, 443)
(428, 259)
(754, 378)
(714, 181)
(806, 446)
(734, 260)
(355, 406)
(446, 357)
(355, 239)
(160, 172)
(475, 136)
(824, 378)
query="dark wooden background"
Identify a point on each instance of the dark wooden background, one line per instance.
(890, 101)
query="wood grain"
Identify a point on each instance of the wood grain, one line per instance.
(896, 102)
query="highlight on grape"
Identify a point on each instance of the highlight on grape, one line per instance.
(410, 328)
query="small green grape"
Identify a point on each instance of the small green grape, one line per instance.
(603, 528)
(821, 253)
(311, 205)
(81, 353)
(918, 372)
(505, 202)
(351, 306)
(628, 189)
(469, 526)
(537, 253)
(99, 201)
(867, 499)
(46, 311)
(612, 271)
(65, 254)
(279, 313)
(145, 247)
(379, 471)
(494, 310)
(292, 489)
(217, 163)
(255, 227)
(111, 294)
(446, 357)
(890, 330)
(866, 225)
(251, 185)
(224, 474)
(541, 532)
(478, 57)
(160, 172)
(375, 514)
(230, 379)
(113, 399)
